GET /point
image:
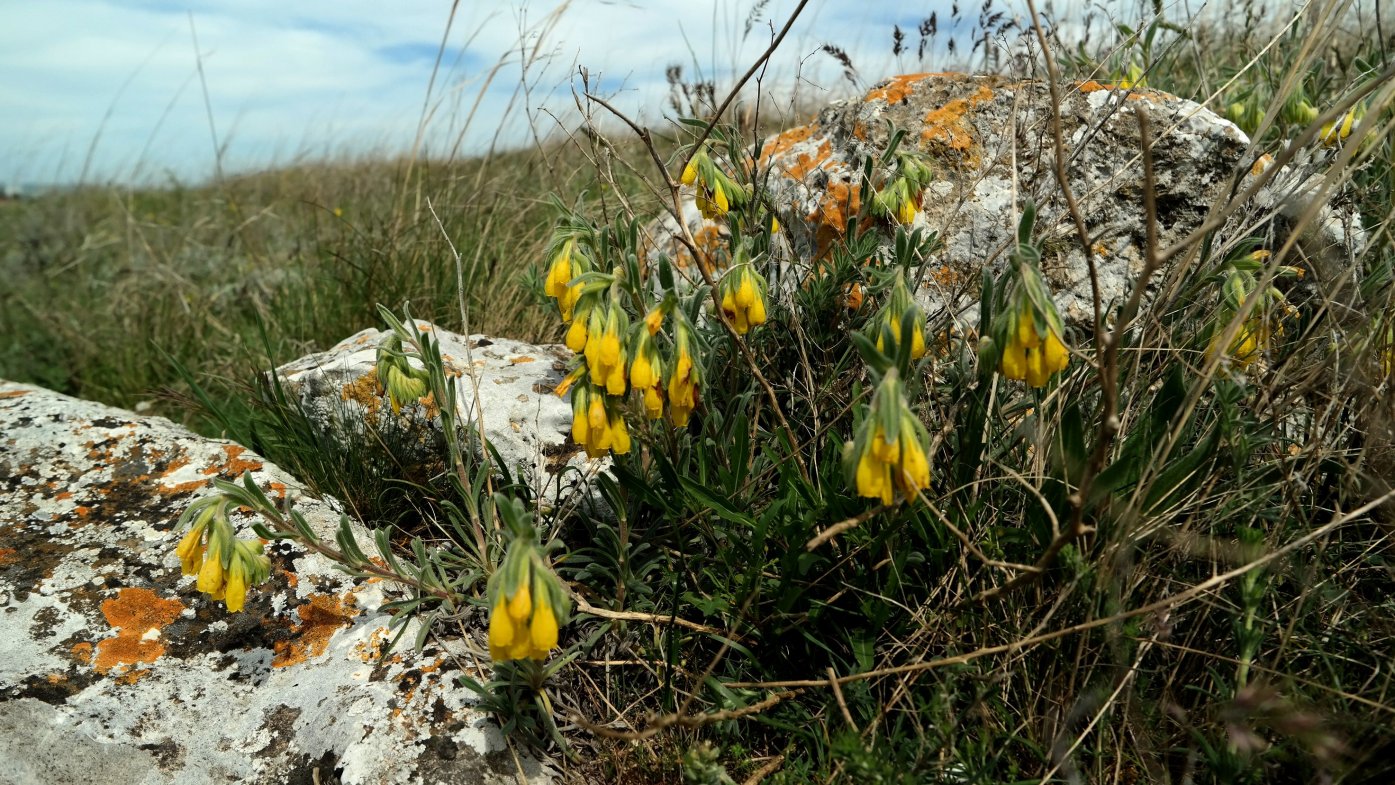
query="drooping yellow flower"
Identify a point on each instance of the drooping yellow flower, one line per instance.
(690, 172)
(235, 592)
(906, 212)
(577, 333)
(890, 461)
(594, 427)
(559, 276)
(605, 355)
(1247, 345)
(528, 603)
(190, 550)
(644, 371)
(653, 403)
(1335, 132)
(683, 382)
(211, 575)
(888, 321)
(1028, 354)
(743, 298)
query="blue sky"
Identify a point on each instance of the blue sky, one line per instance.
(108, 90)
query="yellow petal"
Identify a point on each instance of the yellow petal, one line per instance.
(543, 632)
(1056, 356)
(576, 335)
(689, 172)
(756, 314)
(1037, 375)
(236, 590)
(1014, 364)
(501, 628)
(190, 551)
(720, 198)
(620, 436)
(653, 403)
(211, 574)
(521, 605)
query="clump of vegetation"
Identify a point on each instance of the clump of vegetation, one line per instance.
(844, 542)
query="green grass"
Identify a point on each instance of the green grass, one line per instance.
(1198, 632)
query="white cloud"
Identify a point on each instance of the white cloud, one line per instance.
(351, 76)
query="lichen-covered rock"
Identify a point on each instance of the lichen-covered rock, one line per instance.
(504, 388)
(114, 669)
(974, 130)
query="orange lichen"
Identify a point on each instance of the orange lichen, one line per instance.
(896, 89)
(134, 613)
(1261, 164)
(1092, 86)
(364, 391)
(63, 495)
(133, 676)
(785, 141)
(82, 652)
(235, 465)
(82, 511)
(804, 163)
(840, 203)
(947, 276)
(1100, 249)
(521, 359)
(320, 618)
(947, 125)
(13, 394)
(8, 556)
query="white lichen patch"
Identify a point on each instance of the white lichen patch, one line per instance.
(109, 652)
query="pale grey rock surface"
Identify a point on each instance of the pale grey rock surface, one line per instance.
(980, 132)
(504, 388)
(114, 669)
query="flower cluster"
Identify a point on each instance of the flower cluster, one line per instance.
(629, 364)
(1029, 330)
(1337, 131)
(717, 192)
(225, 566)
(888, 453)
(1033, 351)
(743, 297)
(900, 197)
(561, 283)
(526, 600)
(888, 324)
(1265, 323)
(403, 382)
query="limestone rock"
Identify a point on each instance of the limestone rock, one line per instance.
(504, 387)
(114, 669)
(977, 132)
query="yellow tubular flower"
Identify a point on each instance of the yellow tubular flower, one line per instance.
(653, 403)
(236, 590)
(723, 206)
(190, 551)
(543, 634)
(521, 605)
(690, 172)
(915, 468)
(654, 320)
(907, 211)
(682, 388)
(1030, 356)
(874, 476)
(501, 630)
(211, 575)
(743, 298)
(577, 333)
(619, 436)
